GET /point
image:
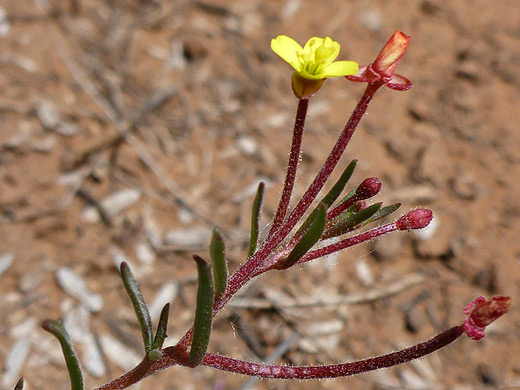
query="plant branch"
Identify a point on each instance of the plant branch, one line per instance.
(292, 166)
(245, 273)
(334, 370)
(348, 242)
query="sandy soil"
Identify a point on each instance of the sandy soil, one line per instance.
(207, 111)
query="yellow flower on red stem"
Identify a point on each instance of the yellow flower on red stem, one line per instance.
(312, 63)
(315, 61)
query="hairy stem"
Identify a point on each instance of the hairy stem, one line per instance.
(334, 370)
(171, 357)
(329, 165)
(248, 270)
(348, 242)
(292, 166)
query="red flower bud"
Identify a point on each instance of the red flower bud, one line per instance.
(391, 54)
(415, 219)
(482, 313)
(383, 68)
(368, 188)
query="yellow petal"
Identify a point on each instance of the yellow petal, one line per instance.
(328, 52)
(339, 68)
(288, 49)
(312, 44)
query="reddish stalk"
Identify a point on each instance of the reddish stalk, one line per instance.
(248, 271)
(348, 242)
(147, 368)
(329, 165)
(415, 219)
(481, 313)
(292, 166)
(334, 370)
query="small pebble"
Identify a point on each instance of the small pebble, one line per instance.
(92, 358)
(75, 286)
(166, 294)
(5, 26)
(119, 354)
(120, 200)
(364, 273)
(6, 261)
(247, 146)
(144, 253)
(187, 238)
(47, 115)
(15, 361)
(77, 323)
(67, 129)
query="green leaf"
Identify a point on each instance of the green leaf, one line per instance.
(337, 189)
(217, 252)
(203, 313)
(162, 327)
(331, 196)
(311, 237)
(351, 221)
(58, 330)
(347, 197)
(141, 311)
(255, 218)
(382, 213)
(19, 384)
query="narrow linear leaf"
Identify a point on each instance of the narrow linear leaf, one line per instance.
(347, 197)
(217, 252)
(203, 313)
(351, 221)
(19, 384)
(137, 299)
(57, 329)
(310, 237)
(382, 213)
(162, 327)
(337, 189)
(255, 218)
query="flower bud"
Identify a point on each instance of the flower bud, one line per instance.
(383, 68)
(415, 219)
(482, 313)
(391, 54)
(368, 188)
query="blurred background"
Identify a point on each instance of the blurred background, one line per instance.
(129, 129)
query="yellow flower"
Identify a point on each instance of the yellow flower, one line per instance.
(315, 61)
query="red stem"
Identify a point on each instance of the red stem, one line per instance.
(292, 166)
(329, 165)
(340, 208)
(247, 271)
(348, 242)
(334, 370)
(147, 368)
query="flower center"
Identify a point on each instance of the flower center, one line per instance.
(316, 58)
